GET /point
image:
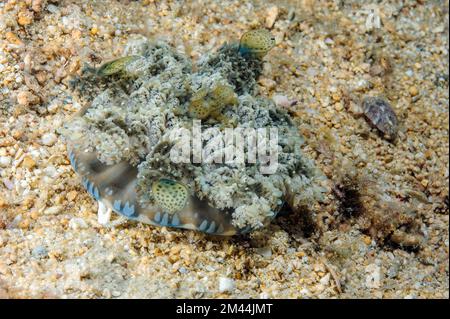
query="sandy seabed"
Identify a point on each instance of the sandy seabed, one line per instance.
(380, 232)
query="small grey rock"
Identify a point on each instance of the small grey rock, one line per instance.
(39, 252)
(380, 113)
(183, 270)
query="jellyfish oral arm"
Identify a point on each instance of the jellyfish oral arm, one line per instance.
(103, 214)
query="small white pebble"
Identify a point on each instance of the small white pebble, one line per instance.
(226, 284)
(312, 72)
(373, 278)
(77, 223)
(183, 270)
(15, 222)
(8, 184)
(53, 107)
(264, 295)
(271, 16)
(107, 293)
(51, 29)
(5, 161)
(39, 252)
(49, 139)
(53, 210)
(305, 292)
(325, 280)
(50, 171)
(281, 100)
(438, 29)
(52, 8)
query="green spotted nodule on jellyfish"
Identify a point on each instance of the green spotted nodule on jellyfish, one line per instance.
(170, 195)
(256, 43)
(116, 66)
(205, 103)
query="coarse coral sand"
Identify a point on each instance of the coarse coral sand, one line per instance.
(381, 230)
